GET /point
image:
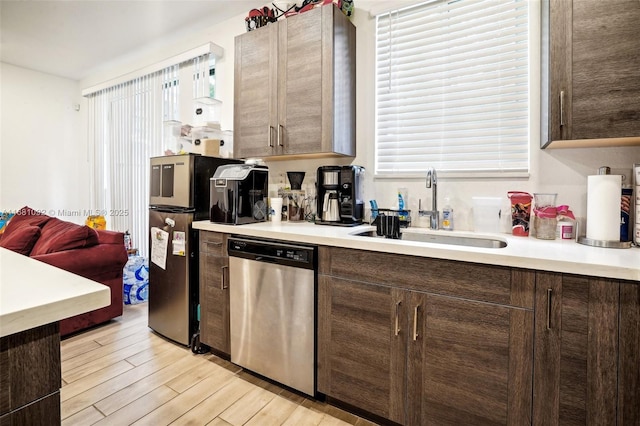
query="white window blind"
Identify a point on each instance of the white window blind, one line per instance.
(452, 88)
(126, 124)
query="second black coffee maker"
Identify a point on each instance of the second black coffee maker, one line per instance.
(340, 195)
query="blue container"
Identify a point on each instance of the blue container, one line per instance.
(136, 280)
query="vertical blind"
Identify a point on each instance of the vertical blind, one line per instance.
(126, 124)
(452, 88)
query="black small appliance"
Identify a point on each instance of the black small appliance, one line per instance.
(239, 194)
(340, 195)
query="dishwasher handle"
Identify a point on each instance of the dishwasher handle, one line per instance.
(265, 259)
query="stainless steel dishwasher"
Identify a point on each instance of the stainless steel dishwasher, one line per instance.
(272, 288)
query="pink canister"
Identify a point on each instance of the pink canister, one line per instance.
(520, 212)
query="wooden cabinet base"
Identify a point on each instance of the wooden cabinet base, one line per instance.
(587, 364)
(629, 355)
(214, 293)
(45, 411)
(413, 348)
(30, 377)
(447, 343)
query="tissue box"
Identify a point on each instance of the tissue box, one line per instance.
(208, 147)
(136, 280)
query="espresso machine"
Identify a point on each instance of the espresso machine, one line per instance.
(340, 195)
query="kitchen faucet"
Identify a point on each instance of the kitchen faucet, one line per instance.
(434, 214)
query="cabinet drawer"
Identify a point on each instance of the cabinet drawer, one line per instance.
(213, 243)
(487, 283)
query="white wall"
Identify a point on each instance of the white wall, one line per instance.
(50, 178)
(43, 157)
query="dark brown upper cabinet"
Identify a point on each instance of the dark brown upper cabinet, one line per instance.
(590, 84)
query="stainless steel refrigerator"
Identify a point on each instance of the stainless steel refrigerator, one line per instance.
(179, 195)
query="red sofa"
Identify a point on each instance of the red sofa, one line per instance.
(94, 254)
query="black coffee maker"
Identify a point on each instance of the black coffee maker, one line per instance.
(340, 195)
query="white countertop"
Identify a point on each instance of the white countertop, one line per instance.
(33, 293)
(565, 256)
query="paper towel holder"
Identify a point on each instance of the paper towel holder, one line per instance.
(604, 170)
(604, 243)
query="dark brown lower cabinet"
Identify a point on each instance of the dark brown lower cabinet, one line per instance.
(420, 358)
(360, 359)
(629, 355)
(30, 377)
(214, 292)
(587, 361)
(468, 362)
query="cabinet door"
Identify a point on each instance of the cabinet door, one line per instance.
(468, 362)
(629, 370)
(595, 69)
(255, 93)
(361, 346)
(576, 350)
(316, 53)
(214, 292)
(301, 77)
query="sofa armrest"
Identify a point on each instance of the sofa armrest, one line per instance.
(110, 237)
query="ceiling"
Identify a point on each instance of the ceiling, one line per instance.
(72, 38)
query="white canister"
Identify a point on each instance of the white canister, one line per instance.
(565, 229)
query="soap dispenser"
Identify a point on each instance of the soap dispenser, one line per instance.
(447, 215)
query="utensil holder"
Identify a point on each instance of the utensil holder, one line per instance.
(404, 216)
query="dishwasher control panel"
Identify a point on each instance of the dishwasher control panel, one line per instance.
(300, 256)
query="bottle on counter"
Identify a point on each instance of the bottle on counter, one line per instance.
(403, 204)
(447, 215)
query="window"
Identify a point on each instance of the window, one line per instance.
(452, 88)
(126, 126)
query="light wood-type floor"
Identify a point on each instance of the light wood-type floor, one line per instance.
(122, 373)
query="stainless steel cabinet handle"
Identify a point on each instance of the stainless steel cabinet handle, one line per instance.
(549, 291)
(415, 322)
(397, 326)
(223, 281)
(562, 107)
(280, 142)
(270, 139)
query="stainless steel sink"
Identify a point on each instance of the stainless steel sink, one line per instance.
(457, 240)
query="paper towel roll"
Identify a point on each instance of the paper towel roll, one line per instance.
(603, 207)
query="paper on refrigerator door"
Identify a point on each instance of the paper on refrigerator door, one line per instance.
(159, 245)
(178, 243)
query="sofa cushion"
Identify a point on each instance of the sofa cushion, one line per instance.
(26, 216)
(58, 235)
(22, 239)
